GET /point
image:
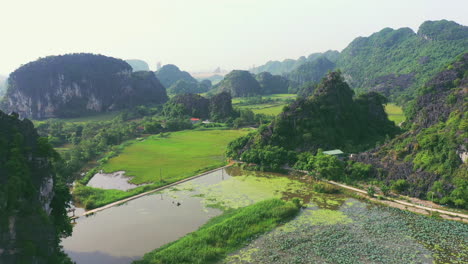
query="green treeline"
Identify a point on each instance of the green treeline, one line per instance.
(33, 196)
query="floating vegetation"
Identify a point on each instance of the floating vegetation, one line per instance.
(360, 233)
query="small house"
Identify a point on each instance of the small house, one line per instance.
(335, 152)
(194, 120)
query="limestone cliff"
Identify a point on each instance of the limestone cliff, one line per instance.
(77, 84)
(32, 197)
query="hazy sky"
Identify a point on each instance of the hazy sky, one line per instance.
(199, 35)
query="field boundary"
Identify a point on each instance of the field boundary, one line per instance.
(90, 212)
(402, 202)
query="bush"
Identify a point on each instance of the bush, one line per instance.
(371, 191)
(385, 189)
(399, 186)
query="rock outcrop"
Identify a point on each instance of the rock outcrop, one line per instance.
(429, 156)
(78, 84)
(33, 198)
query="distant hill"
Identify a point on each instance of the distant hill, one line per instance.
(3, 85)
(393, 62)
(396, 62)
(138, 65)
(272, 84)
(239, 84)
(431, 158)
(78, 84)
(183, 86)
(288, 65)
(169, 74)
(311, 71)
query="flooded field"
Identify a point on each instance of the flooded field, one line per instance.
(331, 228)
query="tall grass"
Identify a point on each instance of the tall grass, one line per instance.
(224, 234)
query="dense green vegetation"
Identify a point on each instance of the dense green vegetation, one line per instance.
(217, 108)
(330, 119)
(272, 84)
(426, 160)
(401, 52)
(392, 62)
(33, 196)
(224, 234)
(239, 84)
(176, 156)
(311, 71)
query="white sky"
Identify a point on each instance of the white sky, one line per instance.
(199, 35)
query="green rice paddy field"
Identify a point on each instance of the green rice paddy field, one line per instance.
(179, 155)
(395, 113)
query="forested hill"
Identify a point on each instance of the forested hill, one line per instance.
(78, 84)
(169, 74)
(393, 62)
(33, 197)
(288, 65)
(396, 62)
(331, 118)
(430, 159)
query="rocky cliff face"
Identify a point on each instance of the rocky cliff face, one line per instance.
(75, 85)
(32, 196)
(431, 155)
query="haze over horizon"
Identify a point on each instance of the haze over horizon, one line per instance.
(202, 35)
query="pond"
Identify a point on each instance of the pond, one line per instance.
(126, 232)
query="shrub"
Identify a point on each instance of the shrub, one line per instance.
(399, 186)
(371, 191)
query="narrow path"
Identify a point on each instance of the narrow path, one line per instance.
(402, 202)
(149, 192)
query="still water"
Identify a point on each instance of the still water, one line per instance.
(126, 232)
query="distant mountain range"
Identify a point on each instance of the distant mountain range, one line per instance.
(393, 62)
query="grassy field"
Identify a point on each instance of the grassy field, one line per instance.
(224, 234)
(270, 108)
(395, 113)
(179, 155)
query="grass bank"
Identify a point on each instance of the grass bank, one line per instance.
(224, 234)
(395, 113)
(177, 155)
